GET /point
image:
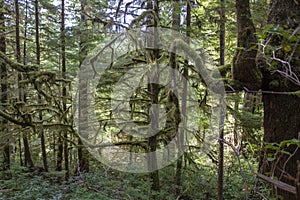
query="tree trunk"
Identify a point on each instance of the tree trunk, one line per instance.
(59, 158)
(18, 56)
(154, 90)
(281, 111)
(38, 60)
(64, 89)
(83, 154)
(176, 26)
(4, 90)
(244, 71)
(221, 123)
(27, 155)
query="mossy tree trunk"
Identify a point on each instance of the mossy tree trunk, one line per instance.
(27, 155)
(38, 61)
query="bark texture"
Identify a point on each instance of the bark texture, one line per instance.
(282, 118)
(244, 70)
(4, 97)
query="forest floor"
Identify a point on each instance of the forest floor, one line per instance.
(107, 184)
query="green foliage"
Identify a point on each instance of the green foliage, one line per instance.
(199, 181)
(274, 150)
(32, 186)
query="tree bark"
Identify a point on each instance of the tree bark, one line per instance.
(59, 158)
(18, 56)
(83, 154)
(154, 90)
(281, 111)
(221, 123)
(38, 60)
(176, 26)
(4, 90)
(64, 89)
(244, 70)
(27, 155)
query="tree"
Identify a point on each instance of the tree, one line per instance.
(64, 88)
(38, 61)
(61, 145)
(4, 90)
(83, 154)
(221, 133)
(153, 88)
(280, 65)
(245, 72)
(22, 97)
(18, 56)
(176, 26)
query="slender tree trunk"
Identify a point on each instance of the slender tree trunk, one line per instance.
(154, 90)
(27, 155)
(18, 56)
(281, 112)
(4, 90)
(64, 89)
(176, 25)
(20, 149)
(18, 46)
(38, 60)
(152, 141)
(60, 143)
(83, 154)
(221, 124)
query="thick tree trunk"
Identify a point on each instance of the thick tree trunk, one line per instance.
(244, 71)
(281, 111)
(282, 122)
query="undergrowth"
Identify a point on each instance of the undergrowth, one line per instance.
(199, 181)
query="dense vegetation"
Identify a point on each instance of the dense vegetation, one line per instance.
(49, 54)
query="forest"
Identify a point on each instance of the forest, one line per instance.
(150, 99)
